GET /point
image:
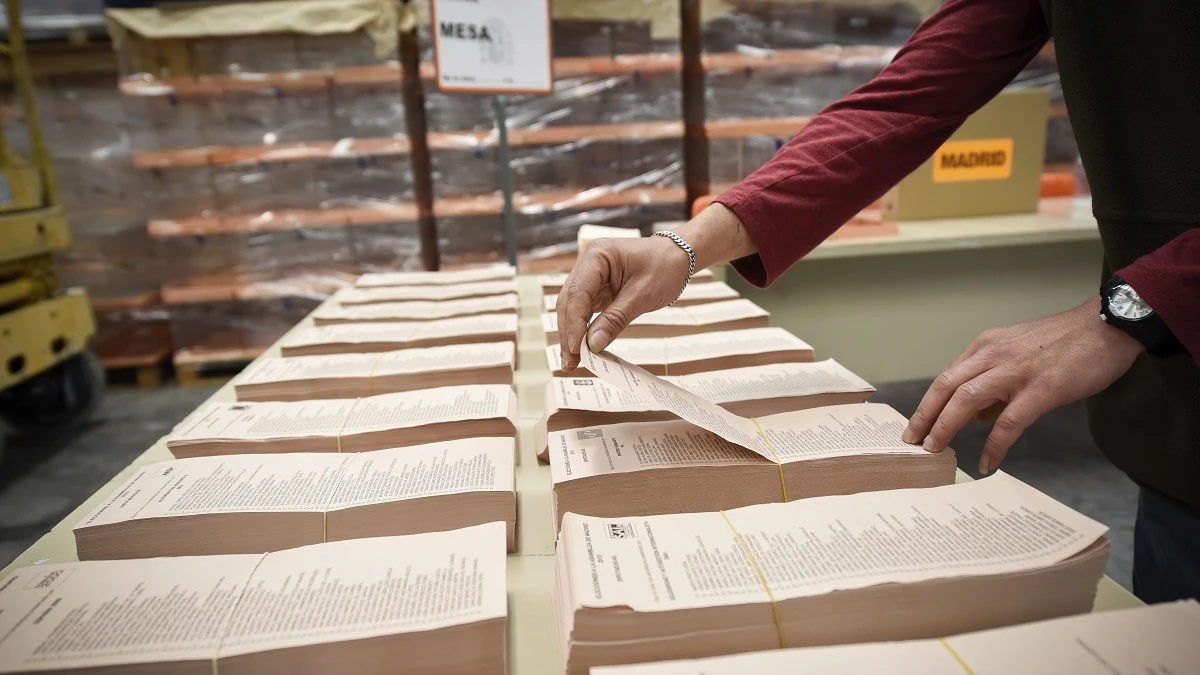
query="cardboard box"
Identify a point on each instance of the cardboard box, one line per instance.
(991, 166)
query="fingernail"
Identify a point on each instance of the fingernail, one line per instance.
(910, 436)
(597, 341)
(930, 445)
(985, 465)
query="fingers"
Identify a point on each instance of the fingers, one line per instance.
(970, 397)
(990, 413)
(614, 319)
(938, 396)
(1011, 423)
(587, 285)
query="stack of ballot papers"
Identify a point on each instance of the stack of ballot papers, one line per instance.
(347, 425)
(419, 310)
(689, 354)
(439, 278)
(371, 296)
(362, 338)
(651, 468)
(301, 378)
(423, 603)
(712, 458)
(257, 503)
(1150, 640)
(675, 321)
(589, 233)
(757, 391)
(874, 566)
(553, 283)
(697, 294)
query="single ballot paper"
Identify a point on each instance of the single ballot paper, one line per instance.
(686, 405)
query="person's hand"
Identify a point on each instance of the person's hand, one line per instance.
(625, 278)
(1016, 374)
(622, 279)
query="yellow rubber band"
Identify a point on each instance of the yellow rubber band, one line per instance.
(762, 578)
(216, 669)
(371, 374)
(778, 462)
(666, 359)
(695, 322)
(413, 335)
(957, 657)
(345, 421)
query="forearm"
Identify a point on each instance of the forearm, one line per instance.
(859, 147)
(717, 236)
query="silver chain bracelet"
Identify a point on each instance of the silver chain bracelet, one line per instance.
(687, 248)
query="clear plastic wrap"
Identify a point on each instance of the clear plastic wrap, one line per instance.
(788, 61)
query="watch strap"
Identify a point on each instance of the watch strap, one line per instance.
(1151, 331)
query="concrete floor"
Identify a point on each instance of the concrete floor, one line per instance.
(40, 484)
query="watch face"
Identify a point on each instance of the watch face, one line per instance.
(1124, 302)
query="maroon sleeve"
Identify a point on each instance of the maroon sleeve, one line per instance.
(861, 146)
(1169, 281)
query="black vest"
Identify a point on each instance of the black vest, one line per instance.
(1130, 73)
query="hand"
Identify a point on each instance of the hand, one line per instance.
(622, 279)
(1016, 374)
(625, 278)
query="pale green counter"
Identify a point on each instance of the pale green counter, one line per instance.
(532, 643)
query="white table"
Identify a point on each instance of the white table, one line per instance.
(532, 642)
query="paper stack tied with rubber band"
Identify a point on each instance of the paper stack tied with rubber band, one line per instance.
(688, 354)
(874, 566)
(347, 425)
(757, 391)
(676, 321)
(256, 503)
(442, 293)
(423, 603)
(301, 378)
(553, 283)
(365, 338)
(694, 294)
(417, 310)
(1156, 639)
(711, 458)
(440, 278)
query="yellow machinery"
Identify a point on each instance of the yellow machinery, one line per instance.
(48, 379)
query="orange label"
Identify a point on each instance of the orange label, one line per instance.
(960, 161)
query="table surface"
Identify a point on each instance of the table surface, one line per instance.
(532, 642)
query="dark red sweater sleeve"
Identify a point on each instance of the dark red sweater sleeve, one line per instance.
(861, 146)
(1169, 281)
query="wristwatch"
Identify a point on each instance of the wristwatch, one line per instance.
(1121, 307)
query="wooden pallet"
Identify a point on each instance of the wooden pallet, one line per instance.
(203, 367)
(137, 349)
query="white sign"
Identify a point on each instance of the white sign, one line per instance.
(493, 46)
